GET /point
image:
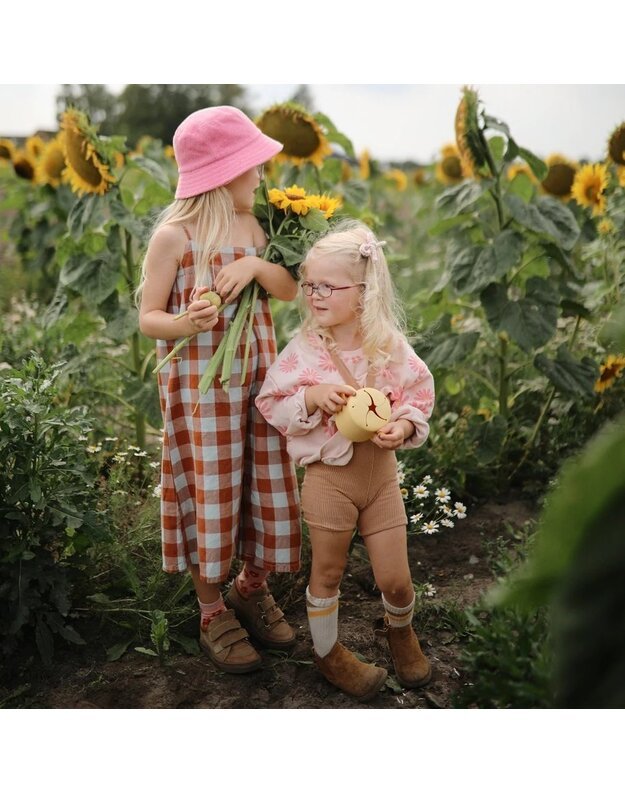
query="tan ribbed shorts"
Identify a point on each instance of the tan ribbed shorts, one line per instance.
(364, 493)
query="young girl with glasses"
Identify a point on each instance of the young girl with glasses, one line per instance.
(228, 487)
(351, 336)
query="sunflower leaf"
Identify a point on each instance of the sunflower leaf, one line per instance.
(334, 136)
(567, 374)
(539, 168)
(453, 349)
(457, 198)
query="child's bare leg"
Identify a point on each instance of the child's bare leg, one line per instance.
(329, 558)
(206, 593)
(388, 552)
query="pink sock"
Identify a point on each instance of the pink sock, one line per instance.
(251, 579)
(210, 611)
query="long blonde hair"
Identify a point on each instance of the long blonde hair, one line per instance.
(382, 319)
(213, 214)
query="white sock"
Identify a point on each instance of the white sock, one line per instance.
(398, 616)
(323, 619)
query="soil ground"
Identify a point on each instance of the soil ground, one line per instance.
(455, 562)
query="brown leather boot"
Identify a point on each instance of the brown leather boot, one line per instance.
(411, 667)
(228, 646)
(348, 673)
(262, 617)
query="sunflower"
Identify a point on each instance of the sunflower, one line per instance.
(327, 204)
(364, 164)
(449, 168)
(346, 171)
(589, 185)
(419, 177)
(7, 149)
(468, 134)
(35, 146)
(616, 145)
(609, 371)
(560, 176)
(168, 151)
(399, 177)
(299, 133)
(291, 198)
(24, 165)
(85, 170)
(50, 166)
(605, 227)
(620, 173)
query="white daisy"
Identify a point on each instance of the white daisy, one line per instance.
(157, 490)
(429, 591)
(460, 511)
(442, 495)
(401, 471)
(447, 510)
(426, 480)
(142, 454)
(93, 448)
(420, 491)
(430, 528)
(446, 522)
(416, 518)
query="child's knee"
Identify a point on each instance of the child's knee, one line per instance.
(398, 591)
(329, 574)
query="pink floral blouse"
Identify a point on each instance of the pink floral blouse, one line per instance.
(305, 361)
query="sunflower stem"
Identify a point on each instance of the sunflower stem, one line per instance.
(171, 354)
(250, 327)
(135, 340)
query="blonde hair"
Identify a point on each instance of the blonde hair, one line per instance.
(382, 319)
(213, 214)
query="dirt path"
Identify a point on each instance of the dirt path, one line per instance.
(455, 563)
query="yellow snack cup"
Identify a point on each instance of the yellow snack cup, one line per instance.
(365, 413)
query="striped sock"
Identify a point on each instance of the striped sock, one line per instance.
(323, 619)
(210, 611)
(250, 579)
(398, 616)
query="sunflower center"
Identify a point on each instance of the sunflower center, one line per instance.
(591, 192)
(451, 166)
(559, 180)
(85, 168)
(297, 134)
(24, 169)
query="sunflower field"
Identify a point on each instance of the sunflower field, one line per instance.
(511, 270)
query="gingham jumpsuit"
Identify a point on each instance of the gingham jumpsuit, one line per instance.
(228, 485)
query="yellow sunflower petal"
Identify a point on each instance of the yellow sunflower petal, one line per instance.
(85, 171)
(51, 164)
(589, 185)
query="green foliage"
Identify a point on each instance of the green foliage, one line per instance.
(49, 516)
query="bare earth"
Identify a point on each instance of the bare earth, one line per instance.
(454, 562)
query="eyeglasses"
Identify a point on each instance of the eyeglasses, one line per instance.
(324, 290)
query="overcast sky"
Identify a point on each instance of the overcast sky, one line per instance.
(399, 121)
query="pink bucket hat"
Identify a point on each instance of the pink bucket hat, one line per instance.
(215, 145)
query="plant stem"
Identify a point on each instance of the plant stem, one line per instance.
(503, 377)
(135, 342)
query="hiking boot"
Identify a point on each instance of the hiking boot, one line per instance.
(227, 645)
(412, 669)
(262, 617)
(358, 679)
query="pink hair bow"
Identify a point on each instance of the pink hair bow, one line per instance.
(370, 247)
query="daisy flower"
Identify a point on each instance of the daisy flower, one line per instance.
(460, 511)
(420, 491)
(430, 528)
(442, 495)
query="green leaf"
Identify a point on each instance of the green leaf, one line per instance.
(453, 384)
(452, 350)
(116, 651)
(85, 214)
(530, 321)
(476, 267)
(489, 437)
(568, 375)
(151, 168)
(356, 192)
(522, 187)
(334, 136)
(122, 325)
(457, 198)
(497, 145)
(587, 485)
(314, 220)
(496, 124)
(290, 253)
(98, 280)
(449, 223)
(146, 651)
(548, 216)
(539, 168)
(188, 644)
(559, 221)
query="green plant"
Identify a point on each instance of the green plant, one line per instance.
(49, 516)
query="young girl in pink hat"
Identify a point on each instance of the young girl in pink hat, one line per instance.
(228, 486)
(352, 337)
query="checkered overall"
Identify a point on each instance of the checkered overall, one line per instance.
(228, 486)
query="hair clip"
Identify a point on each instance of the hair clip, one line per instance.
(369, 249)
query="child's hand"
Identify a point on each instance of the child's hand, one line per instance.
(392, 435)
(330, 397)
(201, 314)
(234, 277)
